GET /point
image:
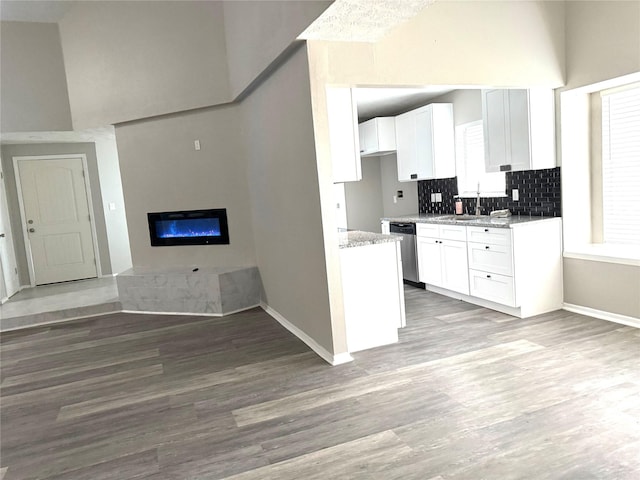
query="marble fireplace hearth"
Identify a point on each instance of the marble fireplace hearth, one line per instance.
(205, 290)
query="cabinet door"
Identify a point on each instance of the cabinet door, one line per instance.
(343, 135)
(494, 115)
(519, 131)
(491, 258)
(368, 136)
(444, 145)
(429, 261)
(424, 143)
(492, 287)
(455, 270)
(406, 147)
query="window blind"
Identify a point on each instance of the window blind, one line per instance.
(470, 166)
(621, 166)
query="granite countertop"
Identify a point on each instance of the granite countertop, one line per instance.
(357, 238)
(480, 221)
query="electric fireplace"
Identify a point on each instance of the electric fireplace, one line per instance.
(189, 227)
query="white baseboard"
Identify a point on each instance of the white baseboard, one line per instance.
(224, 314)
(310, 342)
(601, 314)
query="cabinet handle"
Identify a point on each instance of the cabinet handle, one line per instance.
(488, 276)
(414, 176)
(486, 229)
(487, 247)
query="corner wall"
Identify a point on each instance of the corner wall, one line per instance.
(283, 183)
(161, 171)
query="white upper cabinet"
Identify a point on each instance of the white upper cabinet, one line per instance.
(425, 143)
(343, 135)
(377, 136)
(519, 129)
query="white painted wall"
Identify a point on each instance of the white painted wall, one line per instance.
(161, 171)
(132, 60)
(257, 32)
(32, 78)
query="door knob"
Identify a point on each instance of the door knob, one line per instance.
(32, 230)
(29, 222)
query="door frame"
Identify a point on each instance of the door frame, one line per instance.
(23, 218)
(14, 281)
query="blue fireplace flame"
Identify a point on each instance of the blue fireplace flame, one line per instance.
(188, 227)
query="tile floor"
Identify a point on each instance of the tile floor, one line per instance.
(61, 301)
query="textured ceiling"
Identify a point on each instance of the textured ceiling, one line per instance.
(362, 20)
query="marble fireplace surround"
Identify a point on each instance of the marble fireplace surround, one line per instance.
(214, 291)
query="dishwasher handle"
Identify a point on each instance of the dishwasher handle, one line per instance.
(404, 228)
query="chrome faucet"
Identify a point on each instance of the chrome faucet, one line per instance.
(478, 207)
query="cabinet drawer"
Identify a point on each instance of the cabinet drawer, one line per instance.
(453, 232)
(427, 230)
(492, 287)
(490, 258)
(490, 236)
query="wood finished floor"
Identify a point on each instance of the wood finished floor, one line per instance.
(467, 393)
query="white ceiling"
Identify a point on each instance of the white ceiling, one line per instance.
(50, 11)
(382, 102)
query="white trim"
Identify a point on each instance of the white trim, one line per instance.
(601, 314)
(594, 255)
(87, 187)
(310, 342)
(516, 312)
(199, 314)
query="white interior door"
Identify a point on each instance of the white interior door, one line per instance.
(55, 211)
(9, 283)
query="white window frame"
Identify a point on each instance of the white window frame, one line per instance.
(491, 184)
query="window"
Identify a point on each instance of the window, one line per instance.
(470, 166)
(621, 166)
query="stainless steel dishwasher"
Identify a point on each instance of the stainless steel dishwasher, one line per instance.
(408, 249)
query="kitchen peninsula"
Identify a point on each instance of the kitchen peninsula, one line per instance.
(372, 288)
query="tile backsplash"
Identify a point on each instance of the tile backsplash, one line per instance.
(539, 192)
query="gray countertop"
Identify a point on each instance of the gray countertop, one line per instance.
(357, 238)
(481, 221)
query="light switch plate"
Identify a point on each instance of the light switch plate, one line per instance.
(433, 197)
(515, 195)
(438, 197)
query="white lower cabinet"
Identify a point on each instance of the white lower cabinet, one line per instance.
(492, 286)
(516, 270)
(442, 256)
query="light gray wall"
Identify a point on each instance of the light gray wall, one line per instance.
(603, 286)
(116, 219)
(283, 184)
(467, 105)
(136, 59)
(32, 78)
(603, 42)
(408, 204)
(257, 32)
(161, 171)
(364, 198)
(10, 151)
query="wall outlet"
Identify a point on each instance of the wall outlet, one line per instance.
(433, 198)
(515, 195)
(438, 197)
(196, 144)
(395, 199)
